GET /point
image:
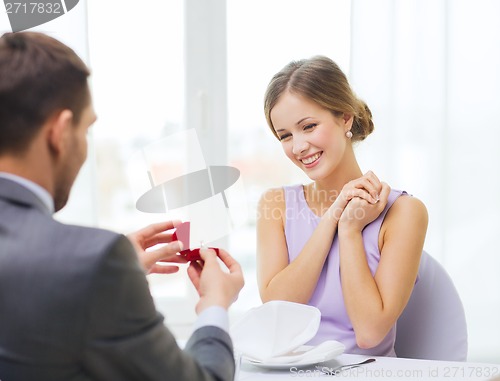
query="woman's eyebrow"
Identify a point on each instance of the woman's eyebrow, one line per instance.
(300, 121)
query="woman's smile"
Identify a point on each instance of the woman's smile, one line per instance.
(311, 160)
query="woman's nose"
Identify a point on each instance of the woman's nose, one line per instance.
(299, 146)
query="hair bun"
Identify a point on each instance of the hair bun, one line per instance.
(363, 123)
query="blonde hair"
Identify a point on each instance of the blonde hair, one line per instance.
(321, 80)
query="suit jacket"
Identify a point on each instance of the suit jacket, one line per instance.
(75, 305)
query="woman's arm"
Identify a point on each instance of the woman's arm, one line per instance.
(277, 279)
(375, 303)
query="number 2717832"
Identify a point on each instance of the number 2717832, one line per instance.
(33, 8)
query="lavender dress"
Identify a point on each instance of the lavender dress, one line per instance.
(335, 323)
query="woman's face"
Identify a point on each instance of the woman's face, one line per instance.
(312, 137)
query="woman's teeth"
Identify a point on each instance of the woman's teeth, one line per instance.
(311, 159)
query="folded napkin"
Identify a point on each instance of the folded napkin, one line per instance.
(274, 329)
(325, 351)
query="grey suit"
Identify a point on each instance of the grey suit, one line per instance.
(75, 305)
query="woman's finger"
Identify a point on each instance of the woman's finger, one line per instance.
(361, 193)
(374, 180)
(385, 192)
(367, 184)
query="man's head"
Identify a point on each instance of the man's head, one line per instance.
(45, 107)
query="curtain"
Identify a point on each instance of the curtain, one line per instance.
(430, 72)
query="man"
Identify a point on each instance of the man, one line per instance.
(74, 301)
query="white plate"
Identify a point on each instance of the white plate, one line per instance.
(312, 359)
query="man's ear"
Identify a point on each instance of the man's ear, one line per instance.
(58, 131)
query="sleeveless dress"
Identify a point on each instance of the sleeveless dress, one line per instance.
(327, 297)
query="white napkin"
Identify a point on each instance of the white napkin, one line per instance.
(274, 329)
(325, 351)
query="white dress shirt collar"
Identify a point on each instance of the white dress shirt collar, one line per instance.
(40, 192)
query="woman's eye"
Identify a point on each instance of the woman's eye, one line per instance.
(284, 136)
(310, 126)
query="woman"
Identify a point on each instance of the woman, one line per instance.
(345, 243)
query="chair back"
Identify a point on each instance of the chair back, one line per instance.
(433, 324)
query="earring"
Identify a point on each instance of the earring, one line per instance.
(348, 134)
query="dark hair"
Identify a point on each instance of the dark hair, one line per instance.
(38, 76)
(321, 80)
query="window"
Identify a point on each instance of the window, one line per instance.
(263, 36)
(139, 109)
(139, 96)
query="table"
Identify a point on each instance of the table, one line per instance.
(384, 368)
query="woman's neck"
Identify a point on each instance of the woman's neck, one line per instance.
(347, 170)
(323, 192)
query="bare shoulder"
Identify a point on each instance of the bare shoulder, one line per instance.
(407, 218)
(273, 197)
(407, 207)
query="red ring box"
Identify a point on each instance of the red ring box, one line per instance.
(182, 234)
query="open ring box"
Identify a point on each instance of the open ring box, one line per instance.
(182, 233)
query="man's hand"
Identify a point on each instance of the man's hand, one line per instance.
(215, 286)
(153, 235)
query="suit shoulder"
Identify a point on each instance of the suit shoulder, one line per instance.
(87, 241)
